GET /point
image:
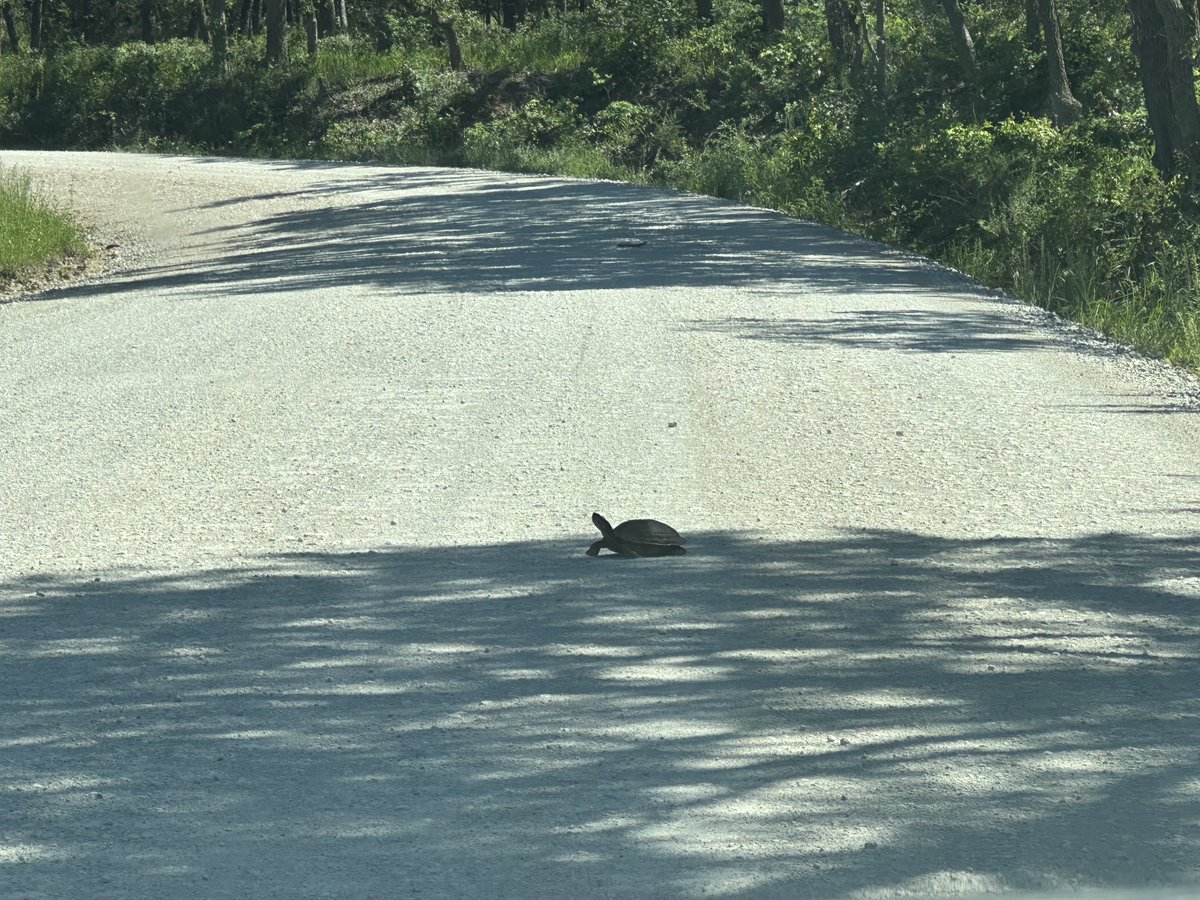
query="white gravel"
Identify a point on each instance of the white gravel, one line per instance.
(293, 600)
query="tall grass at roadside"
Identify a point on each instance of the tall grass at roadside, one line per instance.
(32, 233)
(341, 63)
(1156, 312)
(557, 46)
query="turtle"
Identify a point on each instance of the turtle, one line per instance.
(637, 537)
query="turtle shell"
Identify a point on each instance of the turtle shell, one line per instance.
(649, 537)
(647, 531)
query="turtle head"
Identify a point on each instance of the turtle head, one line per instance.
(602, 523)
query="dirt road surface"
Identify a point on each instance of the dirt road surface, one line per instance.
(294, 603)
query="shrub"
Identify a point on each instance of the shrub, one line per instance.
(537, 124)
(636, 136)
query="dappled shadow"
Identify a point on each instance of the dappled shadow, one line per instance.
(428, 230)
(924, 330)
(1147, 404)
(886, 709)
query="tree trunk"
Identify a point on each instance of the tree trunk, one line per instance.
(1063, 106)
(341, 19)
(1179, 20)
(1033, 24)
(385, 37)
(310, 33)
(961, 36)
(452, 45)
(200, 22)
(772, 16)
(220, 36)
(256, 17)
(10, 26)
(1164, 34)
(703, 9)
(35, 26)
(880, 50)
(276, 32)
(149, 22)
(81, 20)
(843, 29)
(444, 24)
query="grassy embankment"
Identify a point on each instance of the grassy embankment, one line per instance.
(1073, 219)
(33, 235)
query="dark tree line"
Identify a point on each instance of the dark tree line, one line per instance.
(1165, 38)
(1166, 42)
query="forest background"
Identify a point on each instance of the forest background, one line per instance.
(1047, 147)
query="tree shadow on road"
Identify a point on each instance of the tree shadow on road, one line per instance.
(465, 231)
(911, 330)
(883, 710)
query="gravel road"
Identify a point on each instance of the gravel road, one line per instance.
(293, 598)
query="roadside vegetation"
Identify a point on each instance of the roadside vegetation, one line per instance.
(32, 233)
(1009, 139)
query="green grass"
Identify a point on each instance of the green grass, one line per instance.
(549, 48)
(342, 64)
(570, 161)
(32, 233)
(1156, 313)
